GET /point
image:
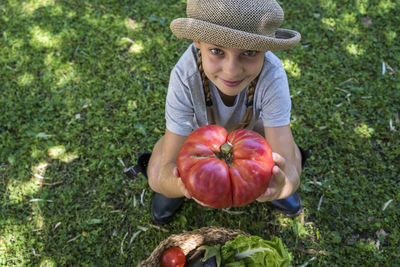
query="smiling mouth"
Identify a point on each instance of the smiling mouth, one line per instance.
(231, 83)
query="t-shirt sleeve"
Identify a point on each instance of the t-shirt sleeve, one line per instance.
(276, 102)
(179, 111)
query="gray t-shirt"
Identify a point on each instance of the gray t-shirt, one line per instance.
(185, 108)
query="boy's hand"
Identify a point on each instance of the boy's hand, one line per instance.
(279, 185)
(181, 185)
(183, 189)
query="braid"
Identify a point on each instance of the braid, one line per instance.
(206, 88)
(207, 93)
(250, 91)
(248, 115)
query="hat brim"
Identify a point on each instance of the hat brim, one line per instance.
(202, 31)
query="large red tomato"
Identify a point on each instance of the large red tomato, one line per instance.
(222, 170)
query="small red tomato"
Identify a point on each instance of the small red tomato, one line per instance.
(173, 257)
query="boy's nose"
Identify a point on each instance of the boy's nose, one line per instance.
(232, 68)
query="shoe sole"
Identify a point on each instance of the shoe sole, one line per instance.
(160, 222)
(289, 214)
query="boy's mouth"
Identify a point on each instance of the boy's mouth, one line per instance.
(231, 83)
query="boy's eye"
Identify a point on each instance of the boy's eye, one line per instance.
(250, 53)
(216, 51)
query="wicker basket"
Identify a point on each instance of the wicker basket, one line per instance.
(189, 241)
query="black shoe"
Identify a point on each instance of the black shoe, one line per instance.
(290, 206)
(141, 166)
(305, 154)
(163, 208)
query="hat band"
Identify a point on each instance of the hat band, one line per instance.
(193, 29)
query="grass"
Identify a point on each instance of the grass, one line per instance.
(83, 85)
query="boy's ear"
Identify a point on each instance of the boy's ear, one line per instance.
(197, 44)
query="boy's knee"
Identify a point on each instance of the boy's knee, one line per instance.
(153, 170)
(153, 179)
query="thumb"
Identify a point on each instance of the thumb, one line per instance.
(176, 172)
(278, 159)
(268, 192)
(181, 184)
(278, 177)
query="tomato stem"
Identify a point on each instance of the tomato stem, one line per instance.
(225, 153)
(226, 148)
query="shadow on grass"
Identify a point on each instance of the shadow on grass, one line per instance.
(81, 78)
(343, 104)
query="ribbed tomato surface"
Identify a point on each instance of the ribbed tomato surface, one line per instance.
(223, 170)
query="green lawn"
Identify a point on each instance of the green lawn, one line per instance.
(82, 88)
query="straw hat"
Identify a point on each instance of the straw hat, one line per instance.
(243, 24)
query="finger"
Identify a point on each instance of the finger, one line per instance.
(176, 172)
(271, 193)
(278, 159)
(187, 194)
(276, 183)
(278, 177)
(201, 203)
(183, 189)
(181, 184)
(268, 195)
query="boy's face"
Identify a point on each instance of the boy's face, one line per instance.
(230, 69)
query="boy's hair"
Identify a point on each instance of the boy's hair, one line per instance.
(207, 93)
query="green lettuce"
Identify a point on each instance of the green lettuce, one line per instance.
(249, 251)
